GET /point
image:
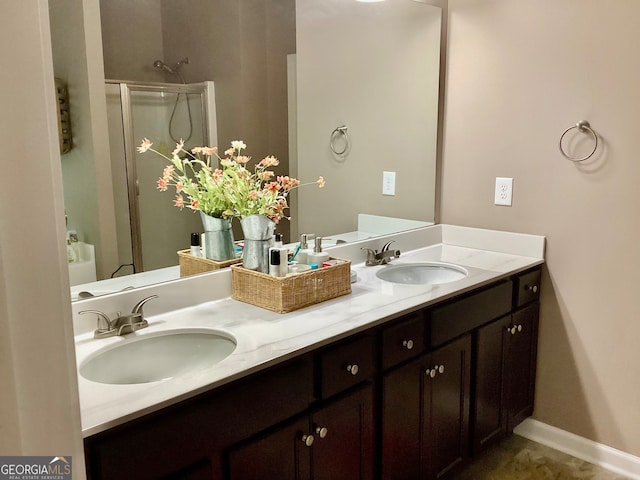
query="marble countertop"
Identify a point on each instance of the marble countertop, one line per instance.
(265, 338)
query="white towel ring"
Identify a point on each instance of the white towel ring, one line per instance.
(342, 131)
(581, 126)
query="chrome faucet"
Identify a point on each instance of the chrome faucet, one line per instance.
(382, 257)
(122, 324)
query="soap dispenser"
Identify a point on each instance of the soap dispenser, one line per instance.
(304, 250)
(317, 256)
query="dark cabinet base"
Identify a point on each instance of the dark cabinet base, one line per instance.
(411, 399)
(332, 443)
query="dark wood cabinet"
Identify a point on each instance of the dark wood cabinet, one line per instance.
(520, 361)
(336, 441)
(425, 414)
(505, 367)
(402, 400)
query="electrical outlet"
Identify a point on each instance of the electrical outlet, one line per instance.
(388, 183)
(504, 191)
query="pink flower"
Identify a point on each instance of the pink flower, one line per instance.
(179, 201)
(179, 186)
(242, 159)
(272, 187)
(265, 175)
(194, 205)
(229, 152)
(252, 195)
(269, 161)
(196, 150)
(162, 184)
(288, 183)
(167, 172)
(145, 145)
(217, 174)
(209, 150)
(178, 148)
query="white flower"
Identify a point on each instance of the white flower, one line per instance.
(238, 145)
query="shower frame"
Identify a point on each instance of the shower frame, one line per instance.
(207, 93)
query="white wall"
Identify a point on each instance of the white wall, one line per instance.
(374, 68)
(520, 72)
(39, 411)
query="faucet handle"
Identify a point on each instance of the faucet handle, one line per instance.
(386, 246)
(137, 309)
(100, 316)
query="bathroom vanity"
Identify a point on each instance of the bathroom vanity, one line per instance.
(392, 382)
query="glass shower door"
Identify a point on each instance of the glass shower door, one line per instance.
(164, 114)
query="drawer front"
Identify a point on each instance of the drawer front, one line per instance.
(461, 316)
(403, 341)
(346, 365)
(527, 288)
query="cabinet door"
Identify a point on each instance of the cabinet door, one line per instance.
(489, 415)
(343, 438)
(425, 414)
(401, 421)
(520, 360)
(446, 404)
(283, 454)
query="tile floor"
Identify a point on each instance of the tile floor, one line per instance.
(517, 458)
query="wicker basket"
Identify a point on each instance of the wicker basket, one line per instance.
(285, 294)
(190, 265)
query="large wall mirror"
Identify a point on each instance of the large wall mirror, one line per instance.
(340, 88)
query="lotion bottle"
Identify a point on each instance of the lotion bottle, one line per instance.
(317, 256)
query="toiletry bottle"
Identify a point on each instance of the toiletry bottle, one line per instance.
(73, 250)
(301, 257)
(317, 256)
(195, 244)
(274, 262)
(277, 240)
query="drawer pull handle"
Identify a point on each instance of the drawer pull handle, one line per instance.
(322, 431)
(431, 372)
(307, 440)
(519, 328)
(441, 369)
(353, 369)
(408, 344)
(532, 288)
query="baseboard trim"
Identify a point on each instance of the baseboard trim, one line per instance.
(580, 447)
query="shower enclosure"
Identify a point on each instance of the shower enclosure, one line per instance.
(150, 230)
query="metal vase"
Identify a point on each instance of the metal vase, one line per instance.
(258, 238)
(218, 239)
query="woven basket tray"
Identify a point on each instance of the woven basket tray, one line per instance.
(285, 294)
(190, 265)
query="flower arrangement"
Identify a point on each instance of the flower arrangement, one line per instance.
(230, 189)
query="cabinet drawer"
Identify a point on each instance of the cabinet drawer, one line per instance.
(461, 316)
(345, 365)
(403, 341)
(527, 287)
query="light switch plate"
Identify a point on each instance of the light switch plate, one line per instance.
(504, 191)
(388, 183)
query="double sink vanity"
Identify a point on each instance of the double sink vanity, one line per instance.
(428, 360)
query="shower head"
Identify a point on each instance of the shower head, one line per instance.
(163, 66)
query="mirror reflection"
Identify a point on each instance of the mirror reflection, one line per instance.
(282, 75)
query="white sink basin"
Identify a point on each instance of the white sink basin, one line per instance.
(421, 273)
(155, 357)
